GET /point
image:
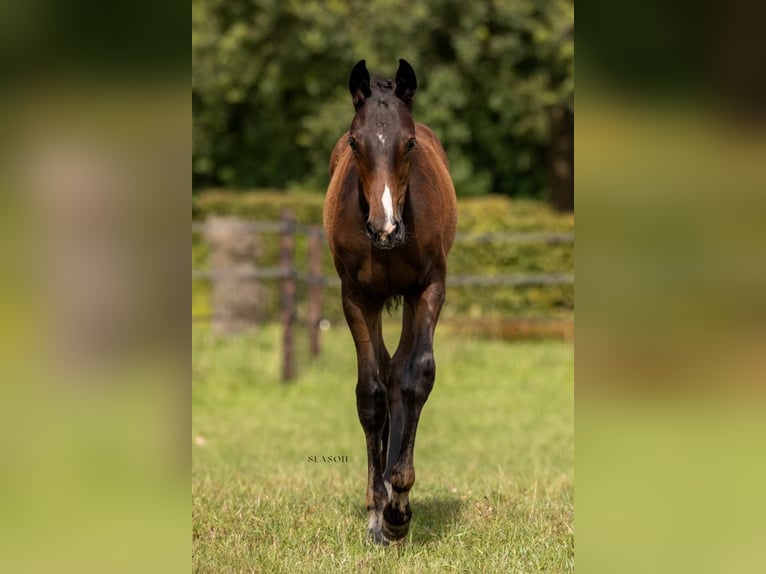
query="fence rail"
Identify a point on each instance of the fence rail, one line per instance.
(288, 274)
(520, 280)
(544, 237)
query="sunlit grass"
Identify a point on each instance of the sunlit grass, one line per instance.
(494, 461)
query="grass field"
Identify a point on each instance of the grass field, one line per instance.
(494, 461)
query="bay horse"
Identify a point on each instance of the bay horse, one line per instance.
(390, 216)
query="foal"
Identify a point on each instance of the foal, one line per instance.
(390, 216)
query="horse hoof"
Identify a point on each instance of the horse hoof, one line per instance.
(396, 524)
(377, 537)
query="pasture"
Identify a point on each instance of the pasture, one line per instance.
(494, 460)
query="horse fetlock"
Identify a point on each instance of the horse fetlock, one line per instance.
(402, 479)
(375, 528)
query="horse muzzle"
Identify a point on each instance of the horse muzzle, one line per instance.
(391, 236)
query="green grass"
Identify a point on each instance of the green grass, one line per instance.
(494, 461)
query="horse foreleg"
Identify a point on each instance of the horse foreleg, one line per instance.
(399, 366)
(415, 384)
(370, 404)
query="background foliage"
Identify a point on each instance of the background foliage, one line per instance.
(270, 98)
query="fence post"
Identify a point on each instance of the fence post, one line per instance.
(315, 289)
(237, 300)
(287, 258)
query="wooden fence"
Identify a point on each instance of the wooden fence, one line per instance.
(289, 274)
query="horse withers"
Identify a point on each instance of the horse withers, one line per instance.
(390, 216)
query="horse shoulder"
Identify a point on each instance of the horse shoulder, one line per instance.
(437, 178)
(426, 136)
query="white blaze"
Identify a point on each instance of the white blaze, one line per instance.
(388, 209)
(382, 139)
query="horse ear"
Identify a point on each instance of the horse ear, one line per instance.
(359, 83)
(406, 82)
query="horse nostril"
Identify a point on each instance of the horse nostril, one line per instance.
(369, 230)
(397, 228)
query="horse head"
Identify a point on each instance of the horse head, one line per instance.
(382, 140)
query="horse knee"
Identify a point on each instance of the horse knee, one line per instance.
(423, 370)
(371, 403)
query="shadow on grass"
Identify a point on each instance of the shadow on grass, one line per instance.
(433, 518)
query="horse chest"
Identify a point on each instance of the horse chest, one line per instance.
(386, 273)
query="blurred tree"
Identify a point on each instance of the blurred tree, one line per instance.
(270, 99)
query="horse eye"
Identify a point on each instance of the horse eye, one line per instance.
(352, 144)
(411, 144)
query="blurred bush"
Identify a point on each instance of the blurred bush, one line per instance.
(269, 85)
(262, 205)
